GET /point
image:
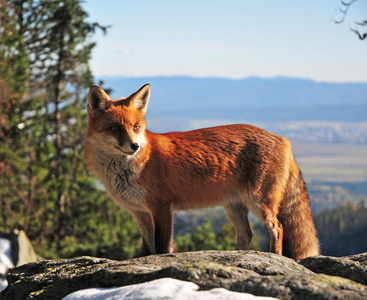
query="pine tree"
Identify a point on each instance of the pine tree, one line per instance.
(53, 196)
(13, 152)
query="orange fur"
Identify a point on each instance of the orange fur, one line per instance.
(240, 167)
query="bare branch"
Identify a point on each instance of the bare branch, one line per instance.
(345, 11)
(346, 5)
(363, 23)
(361, 36)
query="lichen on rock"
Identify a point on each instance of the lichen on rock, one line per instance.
(258, 273)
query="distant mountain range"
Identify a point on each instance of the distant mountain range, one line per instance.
(253, 99)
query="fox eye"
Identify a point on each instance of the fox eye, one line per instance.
(114, 128)
(136, 127)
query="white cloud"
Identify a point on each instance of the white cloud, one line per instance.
(125, 50)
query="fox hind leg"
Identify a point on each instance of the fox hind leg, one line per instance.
(275, 230)
(237, 214)
(269, 215)
(269, 199)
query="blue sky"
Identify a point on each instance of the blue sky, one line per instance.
(229, 38)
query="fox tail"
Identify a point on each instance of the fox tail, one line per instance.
(299, 233)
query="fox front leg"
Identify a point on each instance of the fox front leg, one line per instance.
(146, 226)
(163, 222)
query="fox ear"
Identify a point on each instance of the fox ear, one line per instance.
(97, 98)
(140, 99)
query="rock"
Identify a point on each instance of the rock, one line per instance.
(258, 273)
(26, 253)
(22, 251)
(352, 267)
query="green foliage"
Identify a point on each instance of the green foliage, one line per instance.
(45, 186)
(206, 239)
(13, 150)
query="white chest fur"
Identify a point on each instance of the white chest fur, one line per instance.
(118, 176)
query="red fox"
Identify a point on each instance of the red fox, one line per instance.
(240, 167)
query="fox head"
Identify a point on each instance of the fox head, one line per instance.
(117, 126)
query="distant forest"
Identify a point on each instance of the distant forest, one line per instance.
(342, 230)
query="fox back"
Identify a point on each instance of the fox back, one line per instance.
(240, 167)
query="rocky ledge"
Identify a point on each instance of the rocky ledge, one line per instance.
(257, 273)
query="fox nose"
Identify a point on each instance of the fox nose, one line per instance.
(134, 146)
